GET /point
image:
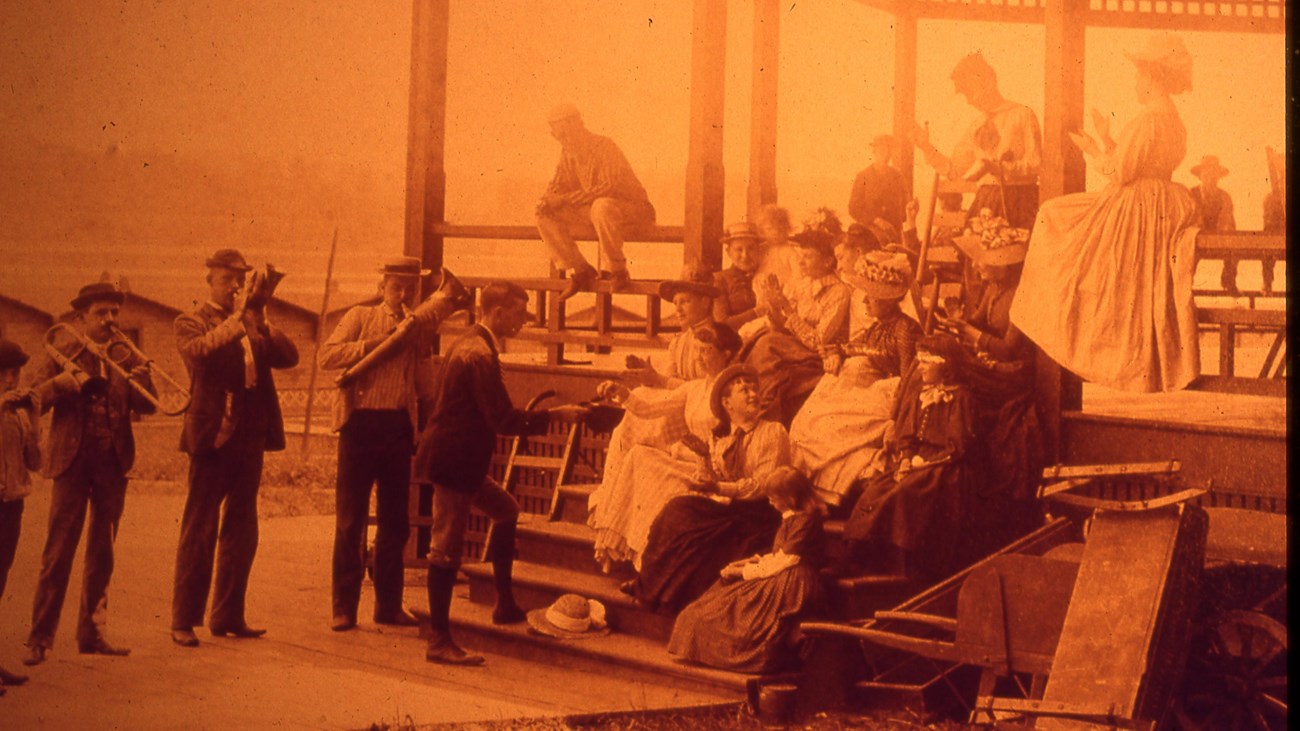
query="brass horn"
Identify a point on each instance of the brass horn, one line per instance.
(261, 286)
(115, 354)
(451, 296)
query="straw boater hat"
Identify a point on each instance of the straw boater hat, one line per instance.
(741, 230)
(1208, 166)
(404, 266)
(570, 617)
(723, 381)
(991, 241)
(882, 275)
(695, 279)
(96, 292)
(1167, 52)
(228, 259)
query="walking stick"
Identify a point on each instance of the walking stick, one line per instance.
(320, 327)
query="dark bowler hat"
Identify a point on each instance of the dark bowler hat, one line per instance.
(12, 355)
(695, 279)
(98, 291)
(404, 266)
(229, 259)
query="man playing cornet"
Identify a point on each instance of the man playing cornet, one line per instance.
(234, 417)
(91, 448)
(376, 416)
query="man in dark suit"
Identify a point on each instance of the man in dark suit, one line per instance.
(91, 449)
(234, 417)
(471, 407)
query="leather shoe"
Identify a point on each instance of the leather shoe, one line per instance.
(240, 630)
(582, 279)
(448, 653)
(343, 623)
(628, 587)
(620, 281)
(8, 678)
(101, 647)
(36, 656)
(185, 637)
(398, 619)
(508, 614)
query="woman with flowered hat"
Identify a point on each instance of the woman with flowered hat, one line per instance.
(839, 429)
(1107, 288)
(802, 324)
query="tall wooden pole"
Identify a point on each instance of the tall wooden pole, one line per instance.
(1062, 172)
(904, 88)
(320, 336)
(426, 175)
(763, 98)
(704, 172)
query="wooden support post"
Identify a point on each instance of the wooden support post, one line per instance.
(704, 172)
(762, 117)
(426, 175)
(904, 88)
(1062, 172)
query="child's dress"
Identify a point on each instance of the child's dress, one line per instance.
(745, 625)
(921, 512)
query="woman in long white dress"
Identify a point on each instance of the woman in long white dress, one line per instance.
(1107, 284)
(650, 447)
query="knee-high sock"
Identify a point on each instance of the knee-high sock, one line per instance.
(441, 581)
(503, 560)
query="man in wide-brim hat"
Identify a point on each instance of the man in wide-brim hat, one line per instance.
(1216, 210)
(91, 450)
(376, 416)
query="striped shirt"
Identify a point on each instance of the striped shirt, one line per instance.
(762, 450)
(821, 315)
(393, 383)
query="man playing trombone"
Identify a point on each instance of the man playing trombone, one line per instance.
(91, 449)
(376, 416)
(229, 349)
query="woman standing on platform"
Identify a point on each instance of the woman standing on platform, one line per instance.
(1107, 285)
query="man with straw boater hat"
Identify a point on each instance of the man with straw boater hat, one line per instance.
(229, 348)
(91, 450)
(1216, 210)
(376, 416)
(593, 185)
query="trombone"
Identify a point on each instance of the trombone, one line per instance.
(114, 354)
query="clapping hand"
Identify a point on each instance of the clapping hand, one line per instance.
(1086, 144)
(1101, 123)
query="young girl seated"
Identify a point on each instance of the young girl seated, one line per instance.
(745, 621)
(908, 519)
(737, 303)
(727, 517)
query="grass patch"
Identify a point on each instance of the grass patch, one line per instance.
(291, 484)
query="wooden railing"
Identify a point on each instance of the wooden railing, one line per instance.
(549, 324)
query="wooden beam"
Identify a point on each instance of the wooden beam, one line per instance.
(763, 100)
(905, 89)
(426, 176)
(1062, 172)
(704, 171)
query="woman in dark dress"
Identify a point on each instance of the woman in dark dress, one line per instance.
(729, 517)
(910, 519)
(737, 304)
(744, 622)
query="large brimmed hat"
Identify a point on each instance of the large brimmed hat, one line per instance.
(991, 241)
(570, 617)
(96, 292)
(695, 279)
(404, 266)
(741, 230)
(723, 381)
(228, 259)
(881, 275)
(1209, 165)
(1167, 51)
(12, 355)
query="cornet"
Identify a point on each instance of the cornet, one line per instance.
(114, 354)
(261, 286)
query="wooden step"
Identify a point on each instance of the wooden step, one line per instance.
(562, 545)
(628, 656)
(537, 585)
(573, 503)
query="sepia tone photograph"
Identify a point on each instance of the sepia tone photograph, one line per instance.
(644, 364)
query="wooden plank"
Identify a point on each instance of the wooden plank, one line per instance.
(1239, 243)
(1184, 22)
(704, 169)
(657, 234)
(636, 286)
(763, 101)
(1241, 316)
